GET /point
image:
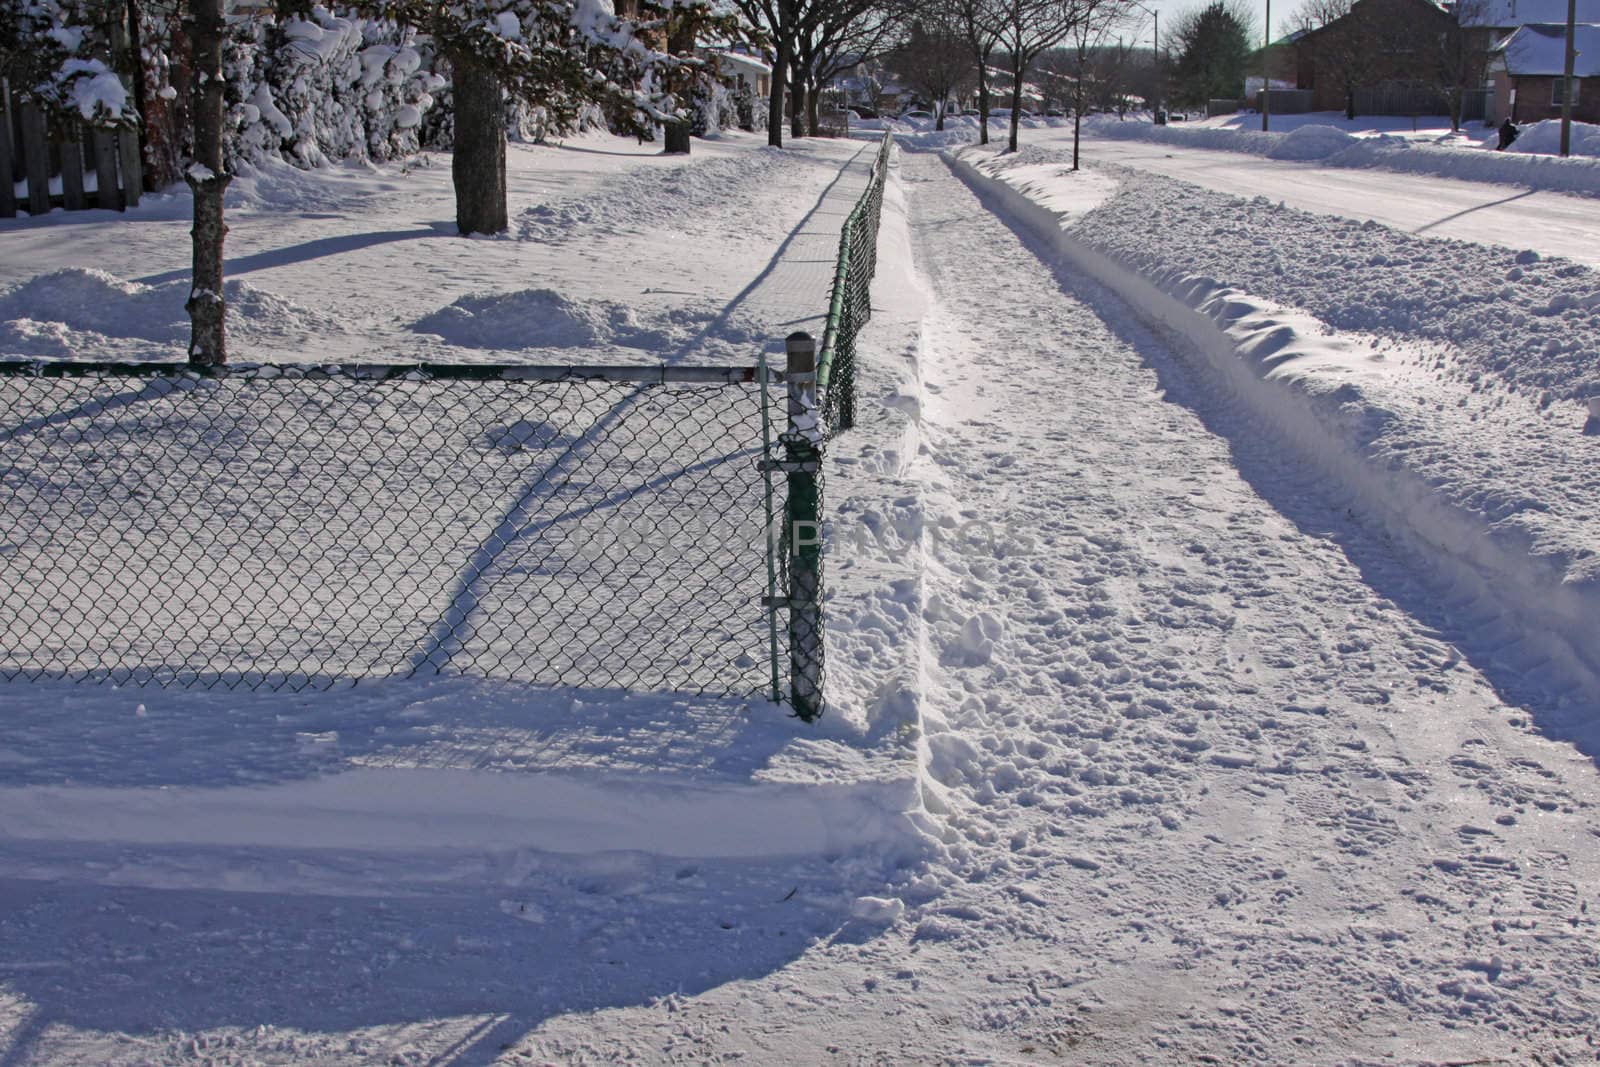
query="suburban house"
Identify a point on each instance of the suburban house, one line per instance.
(1487, 25)
(1382, 57)
(1527, 69)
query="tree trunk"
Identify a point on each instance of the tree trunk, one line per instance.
(478, 162)
(1077, 116)
(681, 43)
(775, 101)
(208, 181)
(983, 99)
(813, 102)
(797, 105)
(1016, 106)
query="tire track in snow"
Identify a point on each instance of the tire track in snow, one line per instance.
(1212, 792)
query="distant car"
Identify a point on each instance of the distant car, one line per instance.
(917, 115)
(1054, 113)
(861, 111)
(971, 112)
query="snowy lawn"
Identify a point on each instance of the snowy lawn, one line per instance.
(363, 264)
(688, 840)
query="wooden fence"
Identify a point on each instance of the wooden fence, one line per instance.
(87, 168)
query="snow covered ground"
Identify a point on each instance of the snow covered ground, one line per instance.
(1170, 728)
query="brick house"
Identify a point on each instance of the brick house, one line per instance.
(1527, 67)
(1486, 24)
(1377, 59)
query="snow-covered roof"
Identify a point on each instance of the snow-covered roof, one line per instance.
(742, 61)
(1534, 51)
(1508, 13)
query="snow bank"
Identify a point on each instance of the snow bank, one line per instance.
(1442, 444)
(543, 318)
(91, 315)
(1331, 147)
(1311, 142)
(1544, 138)
(710, 195)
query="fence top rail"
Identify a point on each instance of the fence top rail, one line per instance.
(645, 374)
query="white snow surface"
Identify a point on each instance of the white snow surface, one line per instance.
(1164, 732)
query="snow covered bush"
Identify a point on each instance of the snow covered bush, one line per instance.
(310, 89)
(57, 54)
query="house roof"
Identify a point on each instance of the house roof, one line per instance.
(741, 61)
(1509, 13)
(1541, 51)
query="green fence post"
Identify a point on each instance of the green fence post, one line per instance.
(803, 519)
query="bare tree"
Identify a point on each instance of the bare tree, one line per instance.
(838, 35)
(975, 21)
(208, 178)
(1088, 35)
(779, 22)
(1023, 29)
(1456, 66)
(935, 60)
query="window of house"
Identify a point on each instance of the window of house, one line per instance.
(1559, 89)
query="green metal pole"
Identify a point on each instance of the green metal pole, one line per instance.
(803, 447)
(767, 530)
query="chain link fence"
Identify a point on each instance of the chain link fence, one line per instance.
(850, 301)
(821, 403)
(292, 527)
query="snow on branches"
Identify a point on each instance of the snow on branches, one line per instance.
(56, 53)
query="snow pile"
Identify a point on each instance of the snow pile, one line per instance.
(1443, 384)
(543, 318)
(1254, 142)
(1311, 142)
(1544, 138)
(697, 199)
(91, 315)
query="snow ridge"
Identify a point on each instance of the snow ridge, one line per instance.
(1329, 396)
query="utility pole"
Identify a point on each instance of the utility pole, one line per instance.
(1155, 46)
(1266, 71)
(1566, 85)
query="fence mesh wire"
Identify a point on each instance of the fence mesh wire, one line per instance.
(850, 301)
(294, 527)
(285, 528)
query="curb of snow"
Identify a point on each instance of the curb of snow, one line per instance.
(1304, 382)
(878, 522)
(425, 809)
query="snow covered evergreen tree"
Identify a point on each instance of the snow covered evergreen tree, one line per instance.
(560, 56)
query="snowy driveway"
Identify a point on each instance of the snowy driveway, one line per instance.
(1553, 224)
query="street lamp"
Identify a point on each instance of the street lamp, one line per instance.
(1266, 72)
(1155, 47)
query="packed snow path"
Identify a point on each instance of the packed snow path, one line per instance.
(1258, 808)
